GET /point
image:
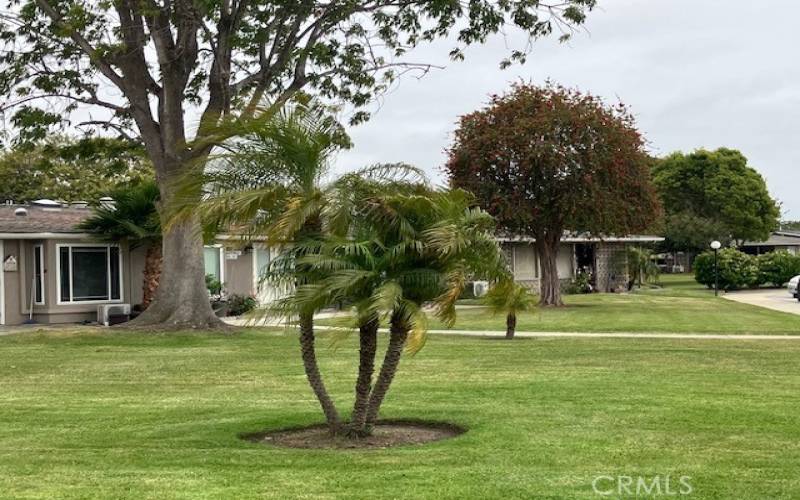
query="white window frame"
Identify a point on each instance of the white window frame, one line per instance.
(39, 248)
(221, 250)
(108, 247)
(256, 274)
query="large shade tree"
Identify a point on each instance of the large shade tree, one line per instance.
(546, 159)
(713, 195)
(182, 76)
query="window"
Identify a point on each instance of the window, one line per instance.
(38, 274)
(212, 258)
(525, 262)
(262, 265)
(89, 273)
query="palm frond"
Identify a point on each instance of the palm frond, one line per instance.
(386, 297)
(416, 319)
(508, 297)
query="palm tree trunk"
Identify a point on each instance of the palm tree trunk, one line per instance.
(152, 273)
(511, 325)
(312, 373)
(398, 333)
(368, 340)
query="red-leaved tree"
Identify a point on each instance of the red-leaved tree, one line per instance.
(545, 159)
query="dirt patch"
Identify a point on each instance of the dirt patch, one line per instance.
(386, 434)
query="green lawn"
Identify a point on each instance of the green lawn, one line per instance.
(679, 306)
(90, 415)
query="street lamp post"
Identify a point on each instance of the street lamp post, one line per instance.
(716, 246)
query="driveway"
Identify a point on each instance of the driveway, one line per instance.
(777, 299)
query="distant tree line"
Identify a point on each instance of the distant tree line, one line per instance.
(712, 195)
(70, 169)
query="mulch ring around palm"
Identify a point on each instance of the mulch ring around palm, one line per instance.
(385, 434)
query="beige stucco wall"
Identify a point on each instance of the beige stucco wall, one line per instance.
(565, 261)
(18, 285)
(136, 271)
(525, 262)
(526, 267)
(238, 271)
(11, 285)
(238, 279)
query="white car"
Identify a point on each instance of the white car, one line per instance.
(792, 287)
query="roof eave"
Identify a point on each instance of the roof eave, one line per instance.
(45, 236)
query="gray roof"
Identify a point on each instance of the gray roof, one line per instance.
(777, 239)
(41, 219)
(572, 237)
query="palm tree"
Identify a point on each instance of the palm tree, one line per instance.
(641, 266)
(133, 217)
(272, 185)
(509, 298)
(449, 239)
(403, 251)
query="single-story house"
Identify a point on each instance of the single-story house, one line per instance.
(778, 240)
(603, 259)
(55, 273)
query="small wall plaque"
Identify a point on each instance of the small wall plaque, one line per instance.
(10, 264)
(232, 254)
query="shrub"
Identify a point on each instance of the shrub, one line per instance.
(736, 269)
(580, 284)
(241, 304)
(778, 267)
(213, 285)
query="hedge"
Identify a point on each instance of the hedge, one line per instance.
(778, 268)
(739, 270)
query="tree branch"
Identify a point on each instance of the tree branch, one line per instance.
(99, 61)
(105, 124)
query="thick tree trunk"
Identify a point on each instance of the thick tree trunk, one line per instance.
(511, 325)
(368, 342)
(182, 299)
(153, 262)
(398, 333)
(311, 367)
(547, 248)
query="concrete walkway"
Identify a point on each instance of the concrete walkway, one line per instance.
(599, 335)
(777, 299)
(468, 333)
(580, 335)
(37, 327)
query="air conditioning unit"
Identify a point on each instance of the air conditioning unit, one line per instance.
(479, 288)
(109, 314)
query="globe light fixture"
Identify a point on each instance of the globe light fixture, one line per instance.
(716, 246)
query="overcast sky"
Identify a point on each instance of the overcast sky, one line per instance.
(696, 73)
